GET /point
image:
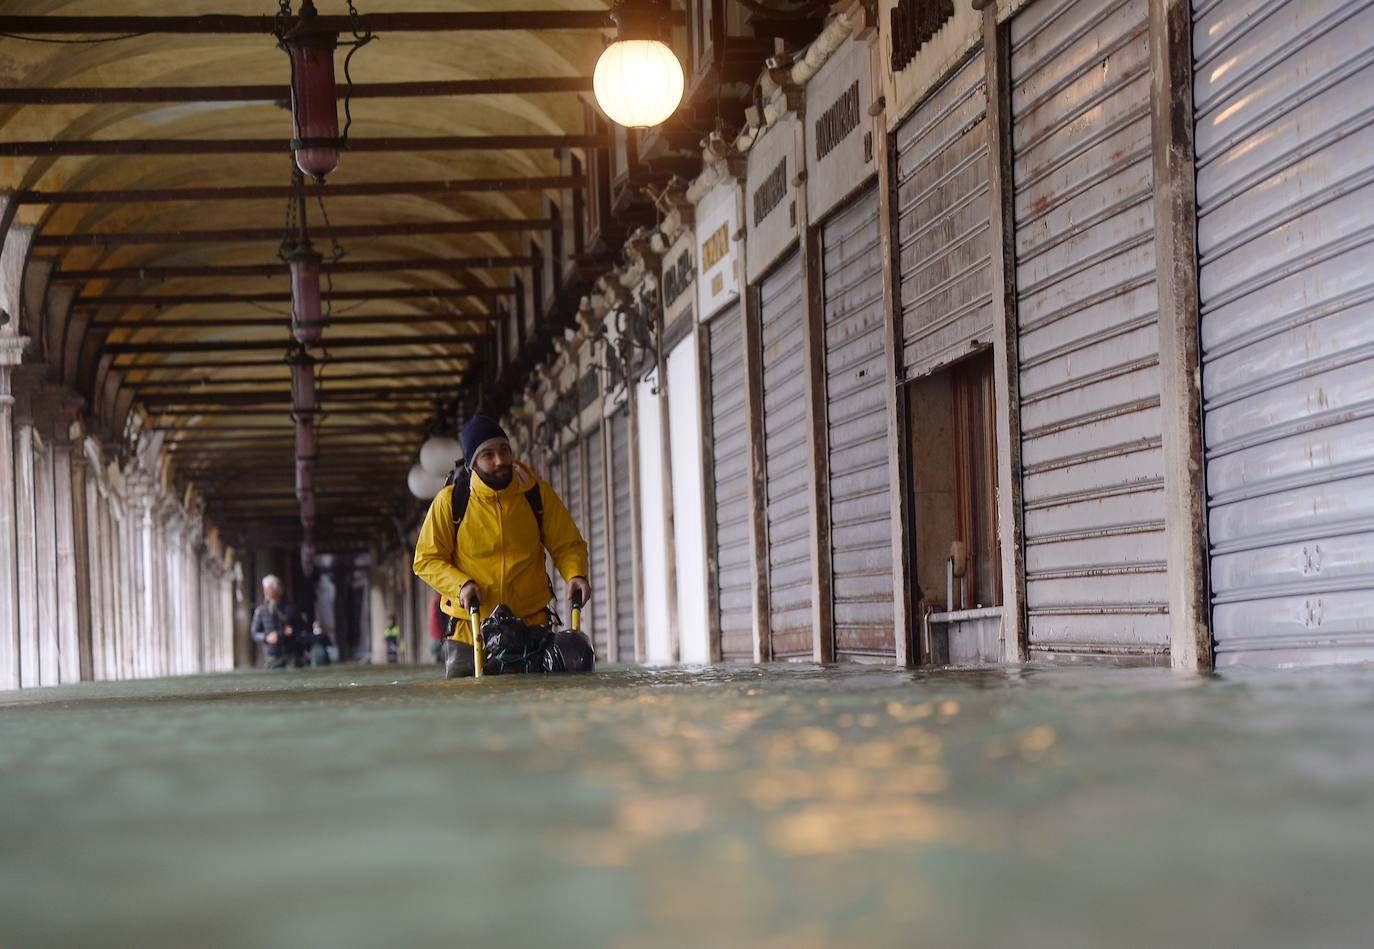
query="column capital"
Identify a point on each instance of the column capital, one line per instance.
(59, 409)
(12, 349)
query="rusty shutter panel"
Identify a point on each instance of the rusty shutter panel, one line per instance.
(593, 618)
(943, 224)
(622, 536)
(856, 418)
(1285, 190)
(730, 478)
(1089, 345)
(787, 469)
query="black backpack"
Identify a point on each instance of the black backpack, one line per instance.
(461, 479)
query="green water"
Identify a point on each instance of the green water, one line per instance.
(787, 807)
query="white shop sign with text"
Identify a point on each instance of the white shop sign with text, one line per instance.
(718, 249)
(841, 135)
(770, 195)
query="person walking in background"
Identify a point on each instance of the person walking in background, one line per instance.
(320, 645)
(273, 623)
(393, 640)
(485, 536)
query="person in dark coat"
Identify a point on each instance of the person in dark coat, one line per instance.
(274, 626)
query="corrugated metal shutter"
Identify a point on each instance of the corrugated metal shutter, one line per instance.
(785, 460)
(593, 620)
(730, 477)
(1284, 94)
(943, 225)
(1089, 343)
(622, 536)
(856, 416)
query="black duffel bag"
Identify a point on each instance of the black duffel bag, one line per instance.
(509, 644)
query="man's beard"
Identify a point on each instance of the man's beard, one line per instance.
(498, 478)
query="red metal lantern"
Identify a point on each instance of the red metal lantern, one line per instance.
(304, 403)
(305, 478)
(314, 102)
(307, 315)
(305, 439)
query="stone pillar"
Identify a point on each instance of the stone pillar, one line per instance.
(45, 541)
(11, 348)
(91, 557)
(26, 555)
(86, 594)
(71, 595)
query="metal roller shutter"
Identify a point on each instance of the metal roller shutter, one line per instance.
(1089, 344)
(593, 617)
(1284, 98)
(622, 536)
(856, 419)
(730, 478)
(788, 479)
(943, 224)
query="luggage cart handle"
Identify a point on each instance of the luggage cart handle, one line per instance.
(475, 615)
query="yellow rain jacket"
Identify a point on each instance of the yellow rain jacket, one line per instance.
(498, 547)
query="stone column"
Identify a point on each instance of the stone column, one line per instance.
(25, 555)
(71, 595)
(87, 596)
(45, 541)
(10, 349)
(97, 630)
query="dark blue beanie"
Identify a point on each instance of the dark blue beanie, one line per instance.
(477, 432)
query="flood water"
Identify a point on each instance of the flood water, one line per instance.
(795, 806)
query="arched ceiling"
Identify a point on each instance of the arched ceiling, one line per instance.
(215, 396)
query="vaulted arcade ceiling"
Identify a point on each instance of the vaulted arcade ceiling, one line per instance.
(155, 170)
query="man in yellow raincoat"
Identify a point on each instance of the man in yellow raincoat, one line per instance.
(494, 548)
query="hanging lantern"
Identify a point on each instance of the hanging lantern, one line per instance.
(638, 80)
(304, 402)
(308, 557)
(314, 102)
(305, 478)
(305, 439)
(439, 454)
(308, 512)
(422, 484)
(307, 316)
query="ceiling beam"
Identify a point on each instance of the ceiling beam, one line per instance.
(274, 234)
(86, 148)
(165, 385)
(249, 345)
(264, 24)
(251, 430)
(283, 412)
(245, 322)
(328, 386)
(276, 192)
(404, 293)
(333, 360)
(285, 376)
(100, 95)
(278, 269)
(283, 397)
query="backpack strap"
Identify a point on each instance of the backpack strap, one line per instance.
(537, 506)
(461, 479)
